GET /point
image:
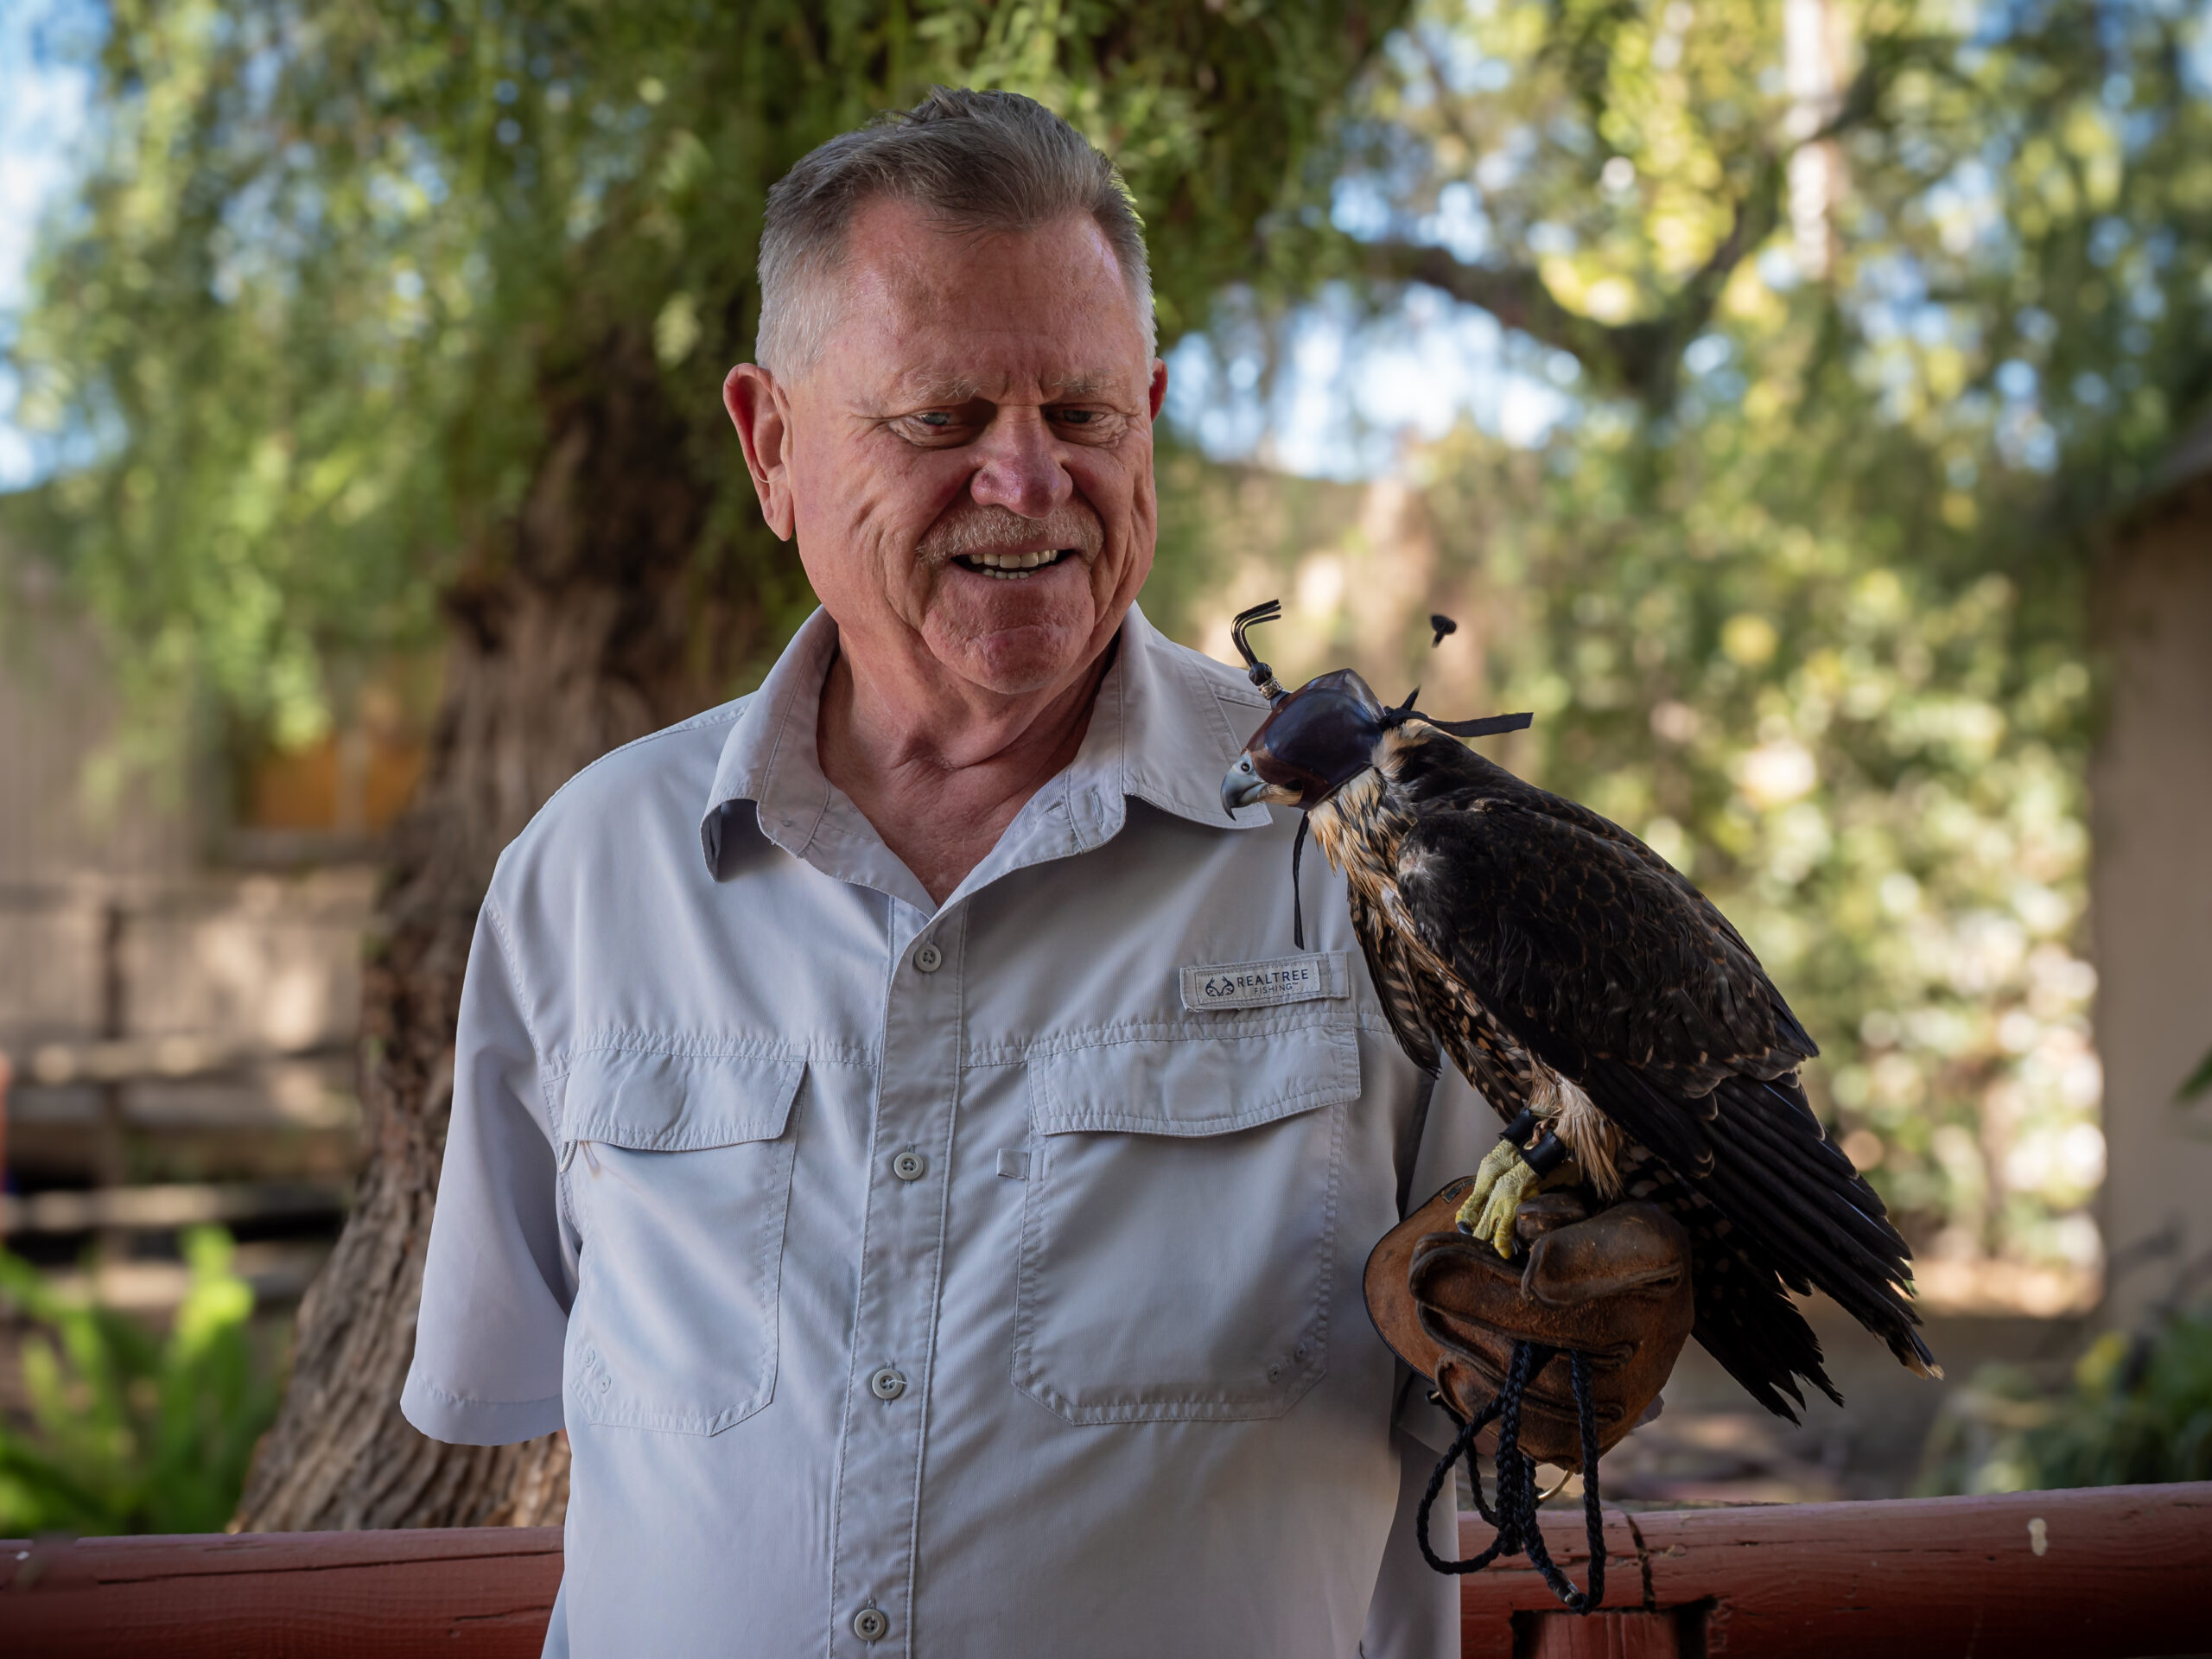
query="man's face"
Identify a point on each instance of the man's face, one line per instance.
(969, 461)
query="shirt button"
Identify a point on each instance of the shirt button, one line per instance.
(871, 1623)
(929, 959)
(887, 1384)
(605, 1381)
(910, 1165)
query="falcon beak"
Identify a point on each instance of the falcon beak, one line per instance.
(1242, 786)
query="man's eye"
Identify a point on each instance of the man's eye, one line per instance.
(1078, 417)
(934, 418)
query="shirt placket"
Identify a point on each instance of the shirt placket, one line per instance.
(887, 1384)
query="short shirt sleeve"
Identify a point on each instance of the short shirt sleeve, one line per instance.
(500, 1273)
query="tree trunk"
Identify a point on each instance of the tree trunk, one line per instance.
(591, 625)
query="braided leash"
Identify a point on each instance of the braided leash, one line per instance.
(1514, 1517)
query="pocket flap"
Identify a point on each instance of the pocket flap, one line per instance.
(677, 1103)
(1212, 1084)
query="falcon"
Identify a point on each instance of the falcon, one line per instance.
(1602, 1006)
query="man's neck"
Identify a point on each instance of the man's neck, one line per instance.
(941, 769)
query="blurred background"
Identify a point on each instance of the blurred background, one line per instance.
(1804, 406)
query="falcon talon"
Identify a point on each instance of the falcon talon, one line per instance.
(1520, 1180)
(1504, 1157)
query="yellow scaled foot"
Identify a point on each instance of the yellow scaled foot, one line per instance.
(1503, 1171)
(1503, 1184)
(1493, 1203)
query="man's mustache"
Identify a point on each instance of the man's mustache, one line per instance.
(979, 527)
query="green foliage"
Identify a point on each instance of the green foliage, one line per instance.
(2136, 1410)
(131, 1431)
(1807, 609)
(340, 258)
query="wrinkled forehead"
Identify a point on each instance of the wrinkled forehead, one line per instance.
(946, 316)
(931, 383)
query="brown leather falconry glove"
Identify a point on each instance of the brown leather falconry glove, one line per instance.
(1615, 1286)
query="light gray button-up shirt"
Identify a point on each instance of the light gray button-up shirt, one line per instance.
(970, 1280)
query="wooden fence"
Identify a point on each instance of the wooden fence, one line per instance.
(2116, 1572)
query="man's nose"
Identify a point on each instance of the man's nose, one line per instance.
(1021, 467)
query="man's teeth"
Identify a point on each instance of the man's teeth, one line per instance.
(1011, 566)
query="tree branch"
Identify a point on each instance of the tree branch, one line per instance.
(1642, 358)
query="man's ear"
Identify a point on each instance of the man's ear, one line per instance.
(761, 413)
(1158, 384)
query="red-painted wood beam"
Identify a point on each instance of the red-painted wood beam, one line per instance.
(2110, 1573)
(461, 1592)
(2106, 1573)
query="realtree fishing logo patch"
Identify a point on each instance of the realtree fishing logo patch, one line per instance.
(1266, 984)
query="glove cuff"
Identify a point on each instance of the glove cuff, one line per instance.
(1615, 1286)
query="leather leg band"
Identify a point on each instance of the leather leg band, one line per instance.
(1547, 1155)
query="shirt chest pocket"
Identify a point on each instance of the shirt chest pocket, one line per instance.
(1179, 1221)
(676, 1170)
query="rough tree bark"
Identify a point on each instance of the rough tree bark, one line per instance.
(590, 624)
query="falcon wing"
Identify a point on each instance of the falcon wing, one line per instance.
(1611, 969)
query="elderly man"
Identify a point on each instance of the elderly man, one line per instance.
(891, 1131)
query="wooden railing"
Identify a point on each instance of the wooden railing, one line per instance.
(2109, 1573)
(2116, 1572)
(459, 1592)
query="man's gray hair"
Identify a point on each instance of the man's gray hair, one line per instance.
(970, 162)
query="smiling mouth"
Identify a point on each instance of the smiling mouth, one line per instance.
(1013, 566)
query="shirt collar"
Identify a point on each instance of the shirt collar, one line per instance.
(1168, 723)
